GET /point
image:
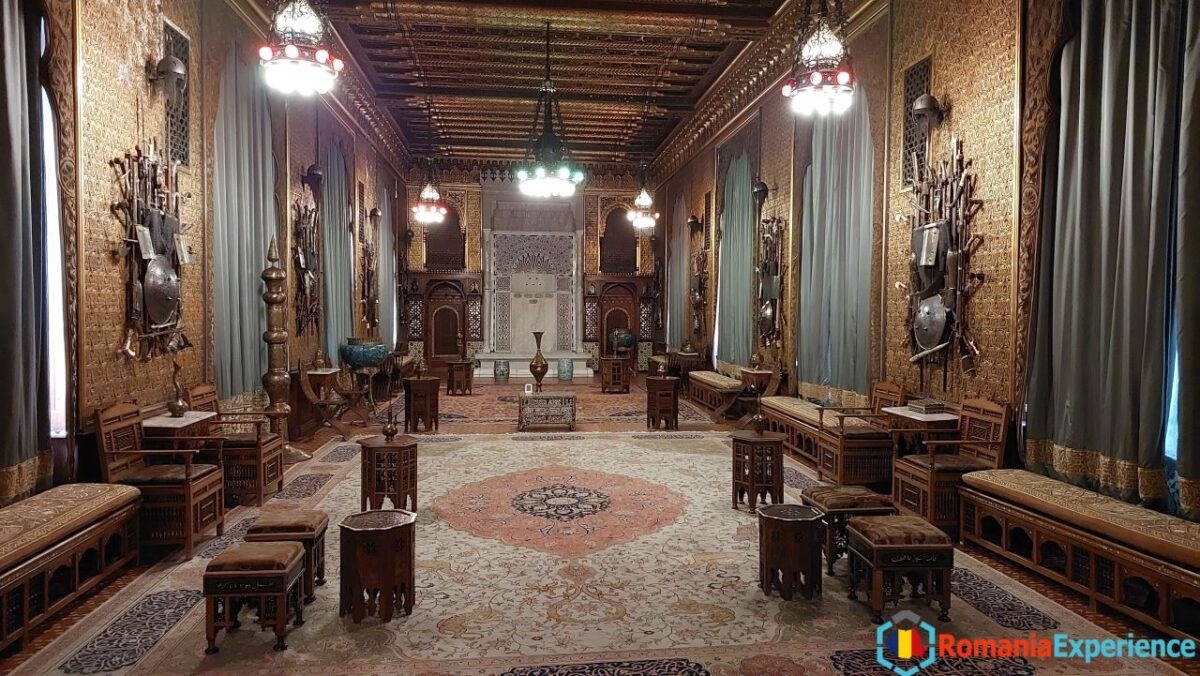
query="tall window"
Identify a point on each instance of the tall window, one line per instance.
(55, 301)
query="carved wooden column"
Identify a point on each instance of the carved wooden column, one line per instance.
(276, 380)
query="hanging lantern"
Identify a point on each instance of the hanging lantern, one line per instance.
(550, 173)
(297, 59)
(429, 209)
(640, 215)
(822, 82)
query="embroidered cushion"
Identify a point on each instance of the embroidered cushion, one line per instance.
(35, 523)
(257, 557)
(165, 474)
(828, 498)
(896, 530)
(1145, 529)
(290, 522)
(716, 381)
(809, 413)
(949, 462)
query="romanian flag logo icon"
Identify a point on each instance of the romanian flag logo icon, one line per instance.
(906, 644)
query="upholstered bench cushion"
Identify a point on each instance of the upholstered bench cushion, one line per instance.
(897, 530)
(165, 474)
(950, 462)
(257, 557)
(716, 381)
(1144, 529)
(35, 523)
(828, 498)
(284, 523)
(805, 411)
(243, 439)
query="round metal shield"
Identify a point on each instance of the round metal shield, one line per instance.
(161, 291)
(929, 326)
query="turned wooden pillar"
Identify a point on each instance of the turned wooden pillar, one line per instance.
(276, 380)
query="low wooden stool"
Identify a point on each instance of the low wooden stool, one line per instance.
(890, 548)
(662, 402)
(378, 564)
(306, 526)
(460, 376)
(757, 467)
(838, 504)
(789, 549)
(614, 375)
(265, 573)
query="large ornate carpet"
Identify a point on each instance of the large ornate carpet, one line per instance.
(580, 554)
(497, 404)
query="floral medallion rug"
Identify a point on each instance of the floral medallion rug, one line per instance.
(497, 404)
(581, 554)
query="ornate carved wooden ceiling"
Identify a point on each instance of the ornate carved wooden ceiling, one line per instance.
(478, 64)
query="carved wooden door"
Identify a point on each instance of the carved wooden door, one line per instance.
(618, 310)
(444, 328)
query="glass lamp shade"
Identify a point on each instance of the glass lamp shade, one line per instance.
(643, 201)
(541, 182)
(296, 60)
(643, 219)
(825, 84)
(429, 210)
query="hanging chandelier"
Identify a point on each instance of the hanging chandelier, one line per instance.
(641, 216)
(822, 81)
(429, 209)
(550, 173)
(297, 58)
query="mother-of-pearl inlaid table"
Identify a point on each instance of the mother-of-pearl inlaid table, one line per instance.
(168, 427)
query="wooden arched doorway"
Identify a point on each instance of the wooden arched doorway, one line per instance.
(618, 310)
(445, 328)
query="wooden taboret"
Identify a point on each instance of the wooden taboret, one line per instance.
(545, 408)
(890, 548)
(838, 504)
(421, 402)
(389, 470)
(789, 549)
(460, 377)
(378, 564)
(306, 526)
(662, 402)
(757, 467)
(614, 375)
(268, 573)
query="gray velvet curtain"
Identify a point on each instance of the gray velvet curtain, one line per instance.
(735, 333)
(1187, 269)
(678, 259)
(1099, 364)
(833, 313)
(387, 268)
(244, 220)
(338, 236)
(25, 459)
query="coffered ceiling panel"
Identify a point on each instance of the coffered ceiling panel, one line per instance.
(461, 77)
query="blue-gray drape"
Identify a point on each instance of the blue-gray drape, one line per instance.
(338, 238)
(735, 333)
(1187, 271)
(832, 316)
(678, 260)
(387, 268)
(25, 462)
(244, 221)
(1099, 363)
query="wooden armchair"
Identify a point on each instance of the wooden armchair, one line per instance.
(253, 459)
(926, 484)
(180, 500)
(854, 443)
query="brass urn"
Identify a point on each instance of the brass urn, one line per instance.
(538, 366)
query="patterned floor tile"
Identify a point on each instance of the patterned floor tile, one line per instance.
(997, 603)
(303, 486)
(343, 453)
(676, 667)
(231, 537)
(123, 642)
(863, 663)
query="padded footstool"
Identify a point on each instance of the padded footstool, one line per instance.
(838, 504)
(306, 526)
(265, 573)
(890, 548)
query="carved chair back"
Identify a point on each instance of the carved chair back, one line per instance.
(886, 394)
(203, 397)
(119, 429)
(985, 422)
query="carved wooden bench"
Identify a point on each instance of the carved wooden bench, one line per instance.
(1134, 560)
(714, 392)
(59, 544)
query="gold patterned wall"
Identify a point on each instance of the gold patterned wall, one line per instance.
(117, 111)
(975, 72)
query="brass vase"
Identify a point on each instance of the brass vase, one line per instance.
(538, 366)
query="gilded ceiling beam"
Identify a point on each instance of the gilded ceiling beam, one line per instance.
(741, 15)
(402, 93)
